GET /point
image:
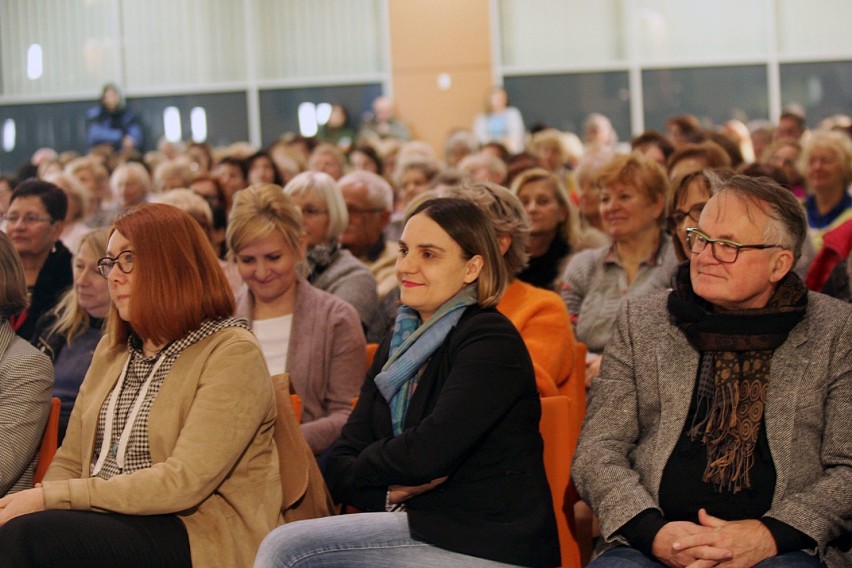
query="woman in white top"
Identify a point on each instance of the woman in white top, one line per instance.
(312, 335)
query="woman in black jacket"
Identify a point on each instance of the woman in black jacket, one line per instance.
(444, 440)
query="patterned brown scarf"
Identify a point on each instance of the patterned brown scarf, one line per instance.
(736, 355)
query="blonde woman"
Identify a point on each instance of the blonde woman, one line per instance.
(315, 337)
(70, 332)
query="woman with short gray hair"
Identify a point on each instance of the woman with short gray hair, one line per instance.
(330, 267)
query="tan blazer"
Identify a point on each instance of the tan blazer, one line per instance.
(211, 442)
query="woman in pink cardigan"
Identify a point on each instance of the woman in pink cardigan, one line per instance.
(312, 335)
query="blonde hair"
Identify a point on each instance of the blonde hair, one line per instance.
(259, 211)
(570, 227)
(71, 319)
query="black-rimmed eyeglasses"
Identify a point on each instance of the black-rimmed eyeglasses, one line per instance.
(723, 250)
(124, 261)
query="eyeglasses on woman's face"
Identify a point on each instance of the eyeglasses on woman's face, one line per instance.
(676, 219)
(723, 250)
(124, 261)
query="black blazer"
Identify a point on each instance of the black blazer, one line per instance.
(474, 417)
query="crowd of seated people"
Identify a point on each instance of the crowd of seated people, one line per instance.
(325, 244)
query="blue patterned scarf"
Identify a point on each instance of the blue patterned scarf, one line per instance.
(412, 345)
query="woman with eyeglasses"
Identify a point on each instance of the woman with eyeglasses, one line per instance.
(35, 221)
(169, 458)
(25, 381)
(70, 332)
(314, 336)
(639, 261)
(684, 206)
(331, 268)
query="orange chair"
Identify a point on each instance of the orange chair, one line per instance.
(296, 401)
(49, 442)
(560, 430)
(371, 353)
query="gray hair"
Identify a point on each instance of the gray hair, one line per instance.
(327, 189)
(379, 191)
(788, 224)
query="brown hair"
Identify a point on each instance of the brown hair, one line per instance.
(179, 285)
(469, 226)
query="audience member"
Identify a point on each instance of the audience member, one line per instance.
(555, 232)
(70, 332)
(639, 261)
(78, 203)
(785, 153)
(761, 135)
(827, 159)
(413, 177)
(598, 133)
(200, 156)
(337, 130)
(689, 158)
(684, 205)
(684, 129)
(364, 157)
(459, 144)
(26, 378)
(7, 185)
(369, 204)
(679, 469)
(446, 425)
(383, 123)
(484, 166)
(288, 159)
(500, 122)
(130, 184)
(328, 159)
(330, 267)
(791, 124)
(169, 455)
(34, 222)
(312, 335)
(112, 124)
(589, 189)
(170, 174)
(233, 175)
(261, 169)
(94, 176)
(548, 147)
(538, 314)
(654, 145)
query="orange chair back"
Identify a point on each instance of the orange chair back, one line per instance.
(49, 442)
(296, 401)
(560, 431)
(371, 353)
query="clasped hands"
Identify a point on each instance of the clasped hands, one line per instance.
(400, 493)
(714, 542)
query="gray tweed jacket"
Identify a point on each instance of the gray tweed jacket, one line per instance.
(26, 383)
(638, 407)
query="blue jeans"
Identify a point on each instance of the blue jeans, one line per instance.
(626, 557)
(363, 540)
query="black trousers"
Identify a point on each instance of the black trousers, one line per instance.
(84, 539)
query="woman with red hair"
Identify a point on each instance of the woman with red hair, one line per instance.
(169, 458)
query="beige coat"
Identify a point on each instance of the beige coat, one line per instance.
(211, 443)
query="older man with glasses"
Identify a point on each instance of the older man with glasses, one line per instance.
(718, 432)
(369, 202)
